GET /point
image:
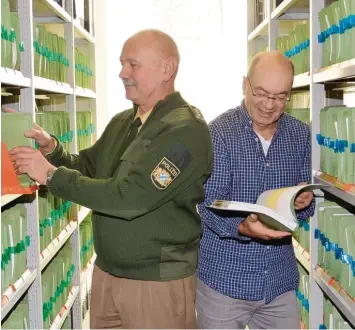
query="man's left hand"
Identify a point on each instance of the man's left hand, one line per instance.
(27, 160)
(304, 199)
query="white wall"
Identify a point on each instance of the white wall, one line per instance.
(211, 36)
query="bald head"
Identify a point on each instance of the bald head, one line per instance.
(270, 60)
(160, 41)
(150, 61)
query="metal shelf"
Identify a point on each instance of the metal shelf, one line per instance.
(60, 318)
(339, 71)
(49, 8)
(11, 296)
(58, 21)
(84, 92)
(85, 271)
(81, 33)
(6, 199)
(13, 78)
(51, 250)
(299, 8)
(302, 255)
(83, 213)
(261, 29)
(334, 190)
(335, 292)
(302, 80)
(52, 86)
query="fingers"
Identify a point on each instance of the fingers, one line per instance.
(21, 152)
(253, 218)
(23, 169)
(9, 110)
(33, 134)
(37, 127)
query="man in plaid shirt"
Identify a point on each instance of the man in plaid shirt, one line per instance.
(248, 272)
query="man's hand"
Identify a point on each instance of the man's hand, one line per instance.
(304, 199)
(45, 142)
(253, 227)
(30, 161)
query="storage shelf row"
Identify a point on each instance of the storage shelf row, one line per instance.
(16, 78)
(336, 293)
(11, 296)
(323, 86)
(64, 312)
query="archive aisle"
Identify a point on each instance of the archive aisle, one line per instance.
(318, 37)
(48, 76)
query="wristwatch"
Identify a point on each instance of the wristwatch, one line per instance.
(50, 175)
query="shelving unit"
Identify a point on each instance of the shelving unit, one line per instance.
(318, 81)
(6, 199)
(302, 255)
(51, 14)
(12, 295)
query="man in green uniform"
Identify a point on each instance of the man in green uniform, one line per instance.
(143, 189)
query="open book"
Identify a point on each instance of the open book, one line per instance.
(275, 208)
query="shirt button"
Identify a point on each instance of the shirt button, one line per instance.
(256, 139)
(265, 272)
(267, 164)
(268, 247)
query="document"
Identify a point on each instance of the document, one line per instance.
(275, 208)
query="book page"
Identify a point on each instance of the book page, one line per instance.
(275, 208)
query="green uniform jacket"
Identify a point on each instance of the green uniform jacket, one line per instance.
(145, 220)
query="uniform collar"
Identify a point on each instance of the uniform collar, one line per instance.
(162, 107)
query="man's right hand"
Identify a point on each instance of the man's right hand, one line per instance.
(45, 142)
(253, 227)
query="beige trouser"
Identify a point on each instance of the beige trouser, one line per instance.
(124, 303)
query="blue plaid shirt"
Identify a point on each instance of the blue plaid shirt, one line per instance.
(234, 265)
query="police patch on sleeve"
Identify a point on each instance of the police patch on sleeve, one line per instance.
(164, 174)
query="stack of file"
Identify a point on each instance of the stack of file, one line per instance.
(302, 235)
(50, 54)
(54, 215)
(19, 317)
(13, 126)
(86, 253)
(85, 129)
(302, 114)
(298, 100)
(337, 23)
(303, 296)
(336, 244)
(83, 70)
(58, 124)
(53, 212)
(337, 141)
(67, 323)
(86, 241)
(332, 318)
(296, 47)
(11, 46)
(56, 284)
(14, 243)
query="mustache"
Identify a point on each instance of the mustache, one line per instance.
(126, 82)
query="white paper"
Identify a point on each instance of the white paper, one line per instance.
(274, 207)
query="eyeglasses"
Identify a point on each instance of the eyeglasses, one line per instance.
(281, 98)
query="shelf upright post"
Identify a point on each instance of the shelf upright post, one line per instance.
(71, 108)
(27, 104)
(273, 27)
(317, 99)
